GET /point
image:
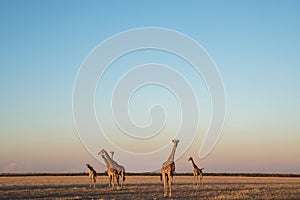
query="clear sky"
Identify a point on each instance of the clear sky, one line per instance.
(255, 45)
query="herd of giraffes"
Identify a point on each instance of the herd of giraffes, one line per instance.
(116, 171)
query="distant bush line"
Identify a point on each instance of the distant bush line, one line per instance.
(152, 174)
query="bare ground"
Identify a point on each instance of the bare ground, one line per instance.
(149, 187)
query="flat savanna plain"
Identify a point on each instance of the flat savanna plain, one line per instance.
(149, 187)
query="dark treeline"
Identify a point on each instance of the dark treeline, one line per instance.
(153, 174)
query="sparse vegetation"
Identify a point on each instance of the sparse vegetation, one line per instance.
(152, 174)
(148, 187)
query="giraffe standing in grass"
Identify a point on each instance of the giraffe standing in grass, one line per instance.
(198, 173)
(92, 175)
(168, 169)
(114, 165)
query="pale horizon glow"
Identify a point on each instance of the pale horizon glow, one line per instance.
(255, 45)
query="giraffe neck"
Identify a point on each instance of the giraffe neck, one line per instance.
(108, 158)
(194, 165)
(171, 157)
(106, 161)
(90, 167)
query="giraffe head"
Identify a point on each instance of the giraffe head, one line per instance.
(101, 153)
(89, 166)
(175, 141)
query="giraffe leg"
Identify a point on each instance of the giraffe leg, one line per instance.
(90, 179)
(200, 179)
(194, 180)
(118, 180)
(170, 186)
(109, 177)
(122, 178)
(113, 181)
(165, 184)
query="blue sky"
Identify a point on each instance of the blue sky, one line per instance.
(255, 45)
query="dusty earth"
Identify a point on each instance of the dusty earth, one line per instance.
(149, 187)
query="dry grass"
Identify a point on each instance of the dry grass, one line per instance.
(149, 187)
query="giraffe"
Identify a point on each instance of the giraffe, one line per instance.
(197, 173)
(118, 173)
(92, 175)
(112, 174)
(167, 170)
(113, 164)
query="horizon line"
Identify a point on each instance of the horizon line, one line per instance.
(237, 174)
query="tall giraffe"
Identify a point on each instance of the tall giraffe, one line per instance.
(92, 175)
(167, 170)
(112, 173)
(113, 164)
(197, 173)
